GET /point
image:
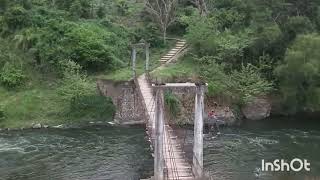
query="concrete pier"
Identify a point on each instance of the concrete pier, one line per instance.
(197, 168)
(158, 155)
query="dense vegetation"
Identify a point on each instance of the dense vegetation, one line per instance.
(52, 50)
(250, 48)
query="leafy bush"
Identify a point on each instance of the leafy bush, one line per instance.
(122, 7)
(215, 75)
(241, 85)
(16, 18)
(92, 107)
(80, 92)
(298, 25)
(93, 48)
(74, 83)
(11, 76)
(207, 40)
(90, 45)
(81, 9)
(149, 33)
(172, 103)
(248, 83)
(2, 113)
(101, 12)
(299, 75)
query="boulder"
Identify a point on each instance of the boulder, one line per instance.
(257, 109)
(58, 126)
(36, 126)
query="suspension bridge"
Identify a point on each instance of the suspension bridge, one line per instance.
(170, 162)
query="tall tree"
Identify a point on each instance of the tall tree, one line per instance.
(202, 6)
(163, 13)
(299, 75)
(3, 5)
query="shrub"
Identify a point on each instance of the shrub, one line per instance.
(2, 113)
(299, 75)
(122, 7)
(206, 39)
(248, 83)
(74, 84)
(92, 107)
(241, 85)
(16, 17)
(11, 76)
(90, 45)
(80, 92)
(172, 103)
(298, 25)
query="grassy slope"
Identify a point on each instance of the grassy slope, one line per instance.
(35, 105)
(38, 101)
(181, 71)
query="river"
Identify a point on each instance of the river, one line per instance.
(237, 153)
(122, 153)
(95, 153)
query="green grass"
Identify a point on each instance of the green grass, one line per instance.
(27, 106)
(182, 71)
(44, 105)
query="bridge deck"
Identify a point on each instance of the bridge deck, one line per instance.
(176, 165)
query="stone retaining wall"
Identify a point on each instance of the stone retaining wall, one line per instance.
(125, 97)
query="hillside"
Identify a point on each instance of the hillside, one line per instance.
(52, 51)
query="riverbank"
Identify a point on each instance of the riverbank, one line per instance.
(43, 105)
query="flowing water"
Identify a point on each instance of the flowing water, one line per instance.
(237, 153)
(118, 153)
(95, 153)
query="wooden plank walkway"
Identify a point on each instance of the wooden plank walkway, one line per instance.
(176, 165)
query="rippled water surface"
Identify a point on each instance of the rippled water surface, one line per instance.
(114, 153)
(96, 153)
(236, 153)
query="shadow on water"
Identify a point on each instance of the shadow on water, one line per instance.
(97, 153)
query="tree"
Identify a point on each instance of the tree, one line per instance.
(3, 5)
(76, 9)
(163, 12)
(202, 6)
(16, 18)
(206, 39)
(299, 75)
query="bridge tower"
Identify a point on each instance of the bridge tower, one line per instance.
(160, 141)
